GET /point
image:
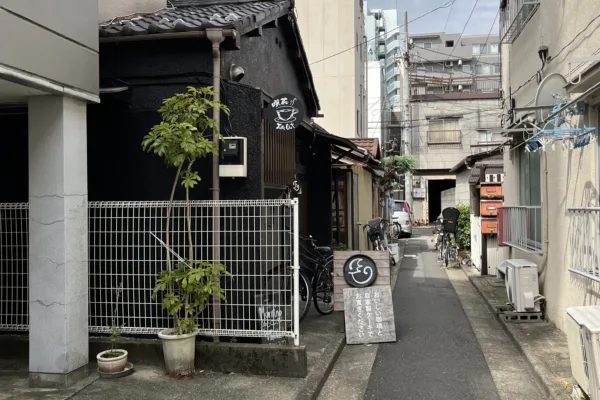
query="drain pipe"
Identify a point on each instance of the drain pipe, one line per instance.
(545, 208)
(216, 37)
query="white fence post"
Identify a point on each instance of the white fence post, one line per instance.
(296, 294)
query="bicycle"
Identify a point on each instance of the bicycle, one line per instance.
(315, 279)
(375, 230)
(448, 250)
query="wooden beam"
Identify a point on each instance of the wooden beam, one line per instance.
(272, 24)
(256, 32)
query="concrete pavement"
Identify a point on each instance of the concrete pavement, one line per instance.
(437, 355)
(449, 345)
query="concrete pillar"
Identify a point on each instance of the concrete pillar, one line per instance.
(58, 242)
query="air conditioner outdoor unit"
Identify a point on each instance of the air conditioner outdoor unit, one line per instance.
(522, 288)
(449, 63)
(583, 335)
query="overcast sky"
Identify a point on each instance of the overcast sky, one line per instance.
(480, 22)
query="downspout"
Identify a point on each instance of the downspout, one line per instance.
(216, 36)
(545, 209)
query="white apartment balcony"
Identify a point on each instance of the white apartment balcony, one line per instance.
(391, 73)
(395, 100)
(392, 87)
(392, 47)
(514, 15)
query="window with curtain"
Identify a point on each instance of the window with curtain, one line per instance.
(443, 131)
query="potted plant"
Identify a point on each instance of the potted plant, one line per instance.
(113, 360)
(181, 139)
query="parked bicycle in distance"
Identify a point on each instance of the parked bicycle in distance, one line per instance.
(375, 230)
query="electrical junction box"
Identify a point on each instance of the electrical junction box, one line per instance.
(233, 160)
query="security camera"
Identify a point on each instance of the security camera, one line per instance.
(236, 73)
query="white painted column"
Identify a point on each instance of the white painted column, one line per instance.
(58, 242)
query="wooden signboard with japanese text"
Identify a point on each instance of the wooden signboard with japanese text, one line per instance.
(357, 277)
(369, 315)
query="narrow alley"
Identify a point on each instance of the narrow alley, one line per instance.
(449, 344)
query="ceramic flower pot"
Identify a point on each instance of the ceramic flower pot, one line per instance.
(179, 351)
(111, 361)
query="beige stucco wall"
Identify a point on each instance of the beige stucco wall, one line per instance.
(474, 114)
(365, 201)
(108, 9)
(328, 28)
(572, 176)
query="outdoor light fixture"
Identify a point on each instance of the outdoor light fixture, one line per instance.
(236, 73)
(543, 54)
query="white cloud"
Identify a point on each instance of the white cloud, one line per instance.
(480, 22)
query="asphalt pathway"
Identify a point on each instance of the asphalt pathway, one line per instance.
(437, 355)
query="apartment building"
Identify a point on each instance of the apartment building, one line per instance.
(454, 106)
(550, 195)
(383, 47)
(333, 34)
(48, 73)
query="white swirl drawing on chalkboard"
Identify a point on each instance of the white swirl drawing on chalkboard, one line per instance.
(360, 269)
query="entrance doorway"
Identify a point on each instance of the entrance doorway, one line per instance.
(434, 194)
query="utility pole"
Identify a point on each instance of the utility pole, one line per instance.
(407, 131)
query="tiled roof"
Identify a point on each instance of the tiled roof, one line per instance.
(371, 145)
(244, 16)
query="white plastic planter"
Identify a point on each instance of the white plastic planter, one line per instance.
(179, 351)
(113, 364)
(395, 251)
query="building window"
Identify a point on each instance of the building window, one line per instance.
(479, 49)
(466, 68)
(530, 193)
(426, 45)
(497, 69)
(449, 43)
(482, 69)
(485, 137)
(494, 48)
(443, 131)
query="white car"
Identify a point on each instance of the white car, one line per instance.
(403, 216)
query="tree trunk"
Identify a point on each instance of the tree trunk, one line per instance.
(189, 218)
(169, 209)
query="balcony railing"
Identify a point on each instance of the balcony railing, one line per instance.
(391, 73)
(393, 86)
(392, 46)
(583, 242)
(444, 137)
(514, 16)
(430, 88)
(521, 227)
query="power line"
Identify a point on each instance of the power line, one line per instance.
(446, 5)
(448, 17)
(467, 23)
(485, 44)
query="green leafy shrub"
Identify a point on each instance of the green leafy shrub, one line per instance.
(339, 246)
(464, 226)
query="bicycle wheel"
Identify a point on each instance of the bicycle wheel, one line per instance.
(279, 287)
(323, 289)
(446, 256)
(305, 294)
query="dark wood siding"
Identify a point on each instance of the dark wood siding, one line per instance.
(280, 156)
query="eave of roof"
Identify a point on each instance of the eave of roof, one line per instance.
(189, 16)
(468, 160)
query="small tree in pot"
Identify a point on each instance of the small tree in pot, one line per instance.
(113, 361)
(181, 139)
